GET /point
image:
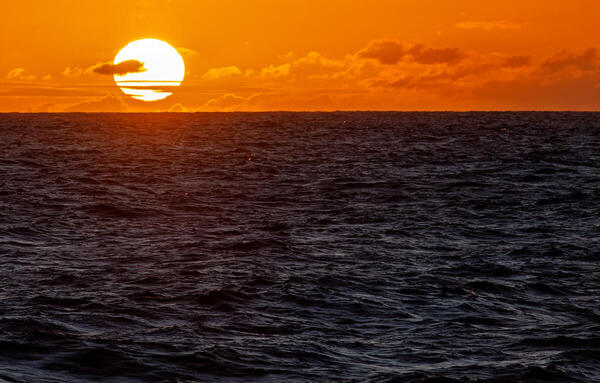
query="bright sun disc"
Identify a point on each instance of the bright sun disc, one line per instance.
(164, 69)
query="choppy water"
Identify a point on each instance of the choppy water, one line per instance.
(352, 247)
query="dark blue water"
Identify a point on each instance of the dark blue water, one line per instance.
(340, 247)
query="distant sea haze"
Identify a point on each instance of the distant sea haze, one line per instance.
(300, 247)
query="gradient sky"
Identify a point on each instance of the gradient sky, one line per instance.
(309, 54)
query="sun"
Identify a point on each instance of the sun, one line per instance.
(164, 70)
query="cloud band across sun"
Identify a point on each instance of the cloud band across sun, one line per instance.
(122, 68)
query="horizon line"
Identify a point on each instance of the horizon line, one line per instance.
(321, 111)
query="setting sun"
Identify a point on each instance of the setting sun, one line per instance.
(162, 69)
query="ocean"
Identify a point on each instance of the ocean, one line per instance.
(300, 247)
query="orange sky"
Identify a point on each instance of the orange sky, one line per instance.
(309, 54)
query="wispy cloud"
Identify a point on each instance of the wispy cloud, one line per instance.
(224, 72)
(276, 71)
(186, 52)
(488, 25)
(15, 73)
(72, 72)
(109, 102)
(19, 74)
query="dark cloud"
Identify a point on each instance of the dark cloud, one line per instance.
(390, 52)
(385, 51)
(128, 66)
(429, 56)
(585, 61)
(516, 61)
(436, 80)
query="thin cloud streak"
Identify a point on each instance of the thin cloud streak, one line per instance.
(488, 25)
(122, 68)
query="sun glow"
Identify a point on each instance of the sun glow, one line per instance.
(163, 70)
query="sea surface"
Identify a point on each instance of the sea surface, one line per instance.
(300, 247)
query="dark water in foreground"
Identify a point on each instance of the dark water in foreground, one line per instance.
(351, 247)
